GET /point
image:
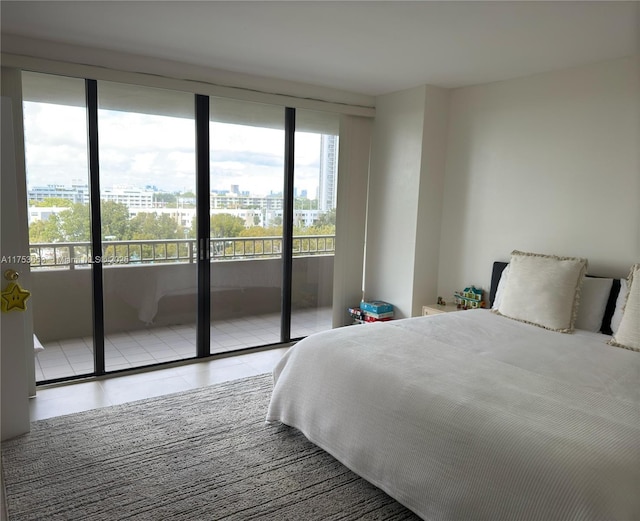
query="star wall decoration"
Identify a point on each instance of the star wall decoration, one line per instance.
(14, 298)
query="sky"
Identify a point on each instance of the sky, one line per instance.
(147, 150)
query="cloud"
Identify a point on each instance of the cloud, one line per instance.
(142, 149)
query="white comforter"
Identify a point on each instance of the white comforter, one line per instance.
(473, 416)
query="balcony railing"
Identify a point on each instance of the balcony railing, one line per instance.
(78, 254)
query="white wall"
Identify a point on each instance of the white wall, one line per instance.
(547, 163)
(405, 192)
(353, 173)
(396, 153)
(14, 392)
(432, 179)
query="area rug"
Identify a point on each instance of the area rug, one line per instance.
(205, 454)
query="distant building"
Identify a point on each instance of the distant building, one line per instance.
(300, 217)
(328, 172)
(42, 213)
(183, 216)
(234, 201)
(129, 196)
(74, 193)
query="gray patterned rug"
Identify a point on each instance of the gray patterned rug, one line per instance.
(205, 454)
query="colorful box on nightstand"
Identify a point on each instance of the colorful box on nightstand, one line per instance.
(376, 306)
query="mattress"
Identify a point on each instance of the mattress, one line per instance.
(471, 415)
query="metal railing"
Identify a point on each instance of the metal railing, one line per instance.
(78, 254)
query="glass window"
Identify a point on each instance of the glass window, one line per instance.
(246, 201)
(315, 184)
(147, 181)
(55, 133)
(147, 193)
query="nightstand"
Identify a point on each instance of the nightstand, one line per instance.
(436, 309)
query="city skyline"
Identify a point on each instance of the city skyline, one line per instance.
(78, 184)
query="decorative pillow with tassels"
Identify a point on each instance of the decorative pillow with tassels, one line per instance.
(543, 290)
(628, 333)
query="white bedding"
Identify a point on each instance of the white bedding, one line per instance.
(473, 416)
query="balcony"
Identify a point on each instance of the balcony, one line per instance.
(150, 299)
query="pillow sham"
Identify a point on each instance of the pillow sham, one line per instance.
(628, 333)
(622, 298)
(543, 290)
(594, 295)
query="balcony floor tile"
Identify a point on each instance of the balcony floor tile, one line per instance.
(133, 349)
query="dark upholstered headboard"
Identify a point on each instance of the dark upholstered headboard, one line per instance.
(496, 272)
(495, 278)
(611, 307)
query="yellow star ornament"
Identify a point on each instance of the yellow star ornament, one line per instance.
(14, 297)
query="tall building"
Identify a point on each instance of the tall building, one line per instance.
(328, 172)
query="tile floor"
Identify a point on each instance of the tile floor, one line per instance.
(57, 400)
(138, 348)
(126, 350)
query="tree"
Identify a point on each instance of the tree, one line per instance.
(254, 231)
(168, 227)
(226, 225)
(168, 199)
(193, 231)
(150, 225)
(46, 231)
(115, 220)
(327, 218)
(53, 202)
(144, 226)
(75, 223)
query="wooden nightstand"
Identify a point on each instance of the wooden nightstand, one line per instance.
(436, 309)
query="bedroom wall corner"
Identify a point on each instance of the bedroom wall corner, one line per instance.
(392, 208)
(431, 194)
(406, 186)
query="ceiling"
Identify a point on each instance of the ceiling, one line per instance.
(359, 46)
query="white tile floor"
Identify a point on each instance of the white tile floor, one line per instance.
(58, 400)
(126, 350)
(137, 348)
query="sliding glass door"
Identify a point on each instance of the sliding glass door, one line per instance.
(166, 225)
(314, 221)
(245, 215)
(147, 200)
(55, 131)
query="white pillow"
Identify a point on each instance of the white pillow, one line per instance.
(594, 295)
(500, 289)
(543, 290)
(616, 318)
(628, 333)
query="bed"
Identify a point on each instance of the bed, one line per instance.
(473, 415)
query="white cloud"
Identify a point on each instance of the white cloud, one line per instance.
(142, 149)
